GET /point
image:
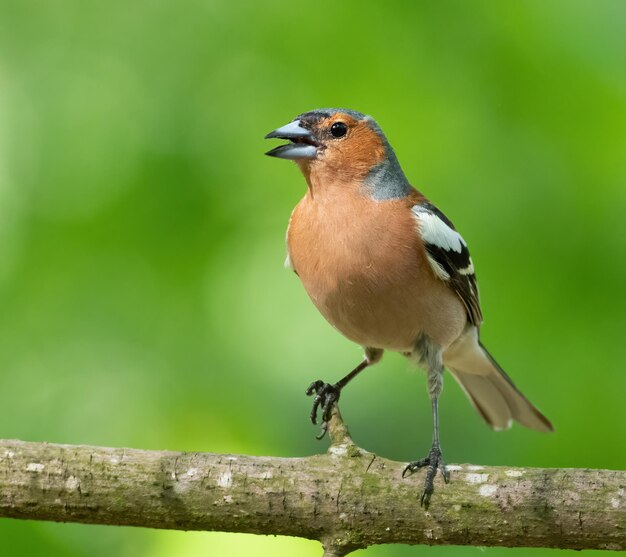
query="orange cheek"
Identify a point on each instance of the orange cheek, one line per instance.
(362, 150)
(366, 144)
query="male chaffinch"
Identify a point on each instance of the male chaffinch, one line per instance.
(388, 269)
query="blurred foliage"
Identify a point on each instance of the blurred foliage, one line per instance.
(143, 297)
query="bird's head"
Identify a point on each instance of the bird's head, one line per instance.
(336, 145)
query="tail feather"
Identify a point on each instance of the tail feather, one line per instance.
(486, 398)
(495, 396)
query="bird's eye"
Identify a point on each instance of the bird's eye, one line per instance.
(338, 129)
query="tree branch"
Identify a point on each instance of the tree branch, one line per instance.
(348, 498)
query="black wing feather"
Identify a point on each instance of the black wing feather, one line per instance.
(456, 265)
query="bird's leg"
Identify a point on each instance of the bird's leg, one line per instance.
(326, 394)
(434, 460)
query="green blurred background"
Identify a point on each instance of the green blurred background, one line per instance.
(144, 301)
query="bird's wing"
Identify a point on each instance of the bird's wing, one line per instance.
(449, 256)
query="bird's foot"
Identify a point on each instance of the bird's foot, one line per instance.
(326, 395)
(433, 462)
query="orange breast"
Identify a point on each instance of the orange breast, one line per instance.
(363, 266)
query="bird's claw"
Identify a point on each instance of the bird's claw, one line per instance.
(433, 462)
(325, 396)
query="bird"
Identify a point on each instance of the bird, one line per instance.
(388, 270)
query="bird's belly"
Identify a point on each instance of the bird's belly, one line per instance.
(377, 319)
(385, 305)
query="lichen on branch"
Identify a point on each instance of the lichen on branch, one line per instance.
(347, 498)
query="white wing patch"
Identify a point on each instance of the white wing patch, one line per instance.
(469, 270)
(448, 256)
(436, 232)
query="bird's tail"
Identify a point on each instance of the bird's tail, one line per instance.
(494, 395)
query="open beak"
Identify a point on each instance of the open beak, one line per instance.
(303, 143)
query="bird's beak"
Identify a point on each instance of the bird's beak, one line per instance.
(303, 143)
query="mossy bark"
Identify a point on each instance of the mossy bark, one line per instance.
(347, 498)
